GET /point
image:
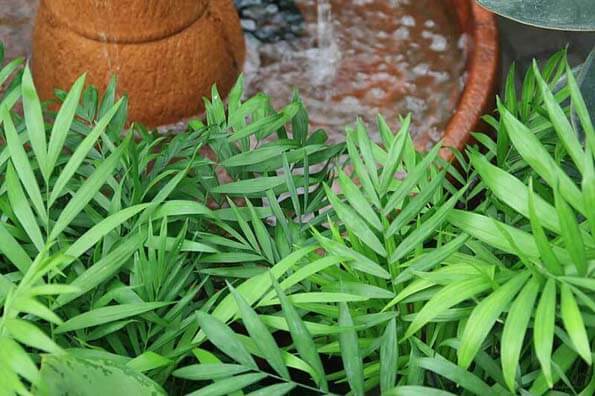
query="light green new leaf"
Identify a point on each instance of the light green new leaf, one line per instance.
(18, 359)
(63, 123)
(514, 331)
(484, 316)
(574, 324)
(34, 121)
(27, 333)
(445, 298)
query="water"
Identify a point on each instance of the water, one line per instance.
(324, 59)
(348, 58)
(363, 57)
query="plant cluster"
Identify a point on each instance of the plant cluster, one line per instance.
(249, 256)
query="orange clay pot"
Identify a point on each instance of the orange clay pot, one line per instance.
(482, 77)
(166, 54)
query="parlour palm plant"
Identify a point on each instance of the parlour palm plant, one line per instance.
(248, 256)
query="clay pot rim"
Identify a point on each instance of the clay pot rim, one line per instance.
(477, 97)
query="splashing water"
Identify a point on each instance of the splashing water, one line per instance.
(324, 59)
(364, 57)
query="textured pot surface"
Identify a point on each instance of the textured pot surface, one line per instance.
(166, 75)
(482, 76)
(127, 21)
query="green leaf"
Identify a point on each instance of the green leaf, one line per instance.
(105, 315)
(394, 156)
(229, 385)
(19, 360)
(358, 201)
(213, 371)
(456, 374)
(416, 205)
(101, 229)
(389, 355)
(34, 121)
(514, 331)
(88, 190)
(148, 361)
(574, 324)
(103, 268)
(63, 123)
(67, 375)
(225, 339)
(206, 372)
(355, 223)
(414, 390)
(27, 333)
(447, 297)
(561, 124)
(571, 234)
(273, 390)
(352, 360)
(21, 164)
(254, 288)
(356, 260)
(536, 155)
(79, 155)
(301, 336)
(428, 227)
(414, 176)
(543, 244)
(21, 208)
(261, 335)
(550, 14)
(543, 329)
(514, 192)
(13, 250)
(484, 316)
(583, 98)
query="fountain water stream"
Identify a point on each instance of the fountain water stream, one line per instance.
(324, 59)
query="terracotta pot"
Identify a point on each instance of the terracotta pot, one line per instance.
(482, 76)
(166, 53)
